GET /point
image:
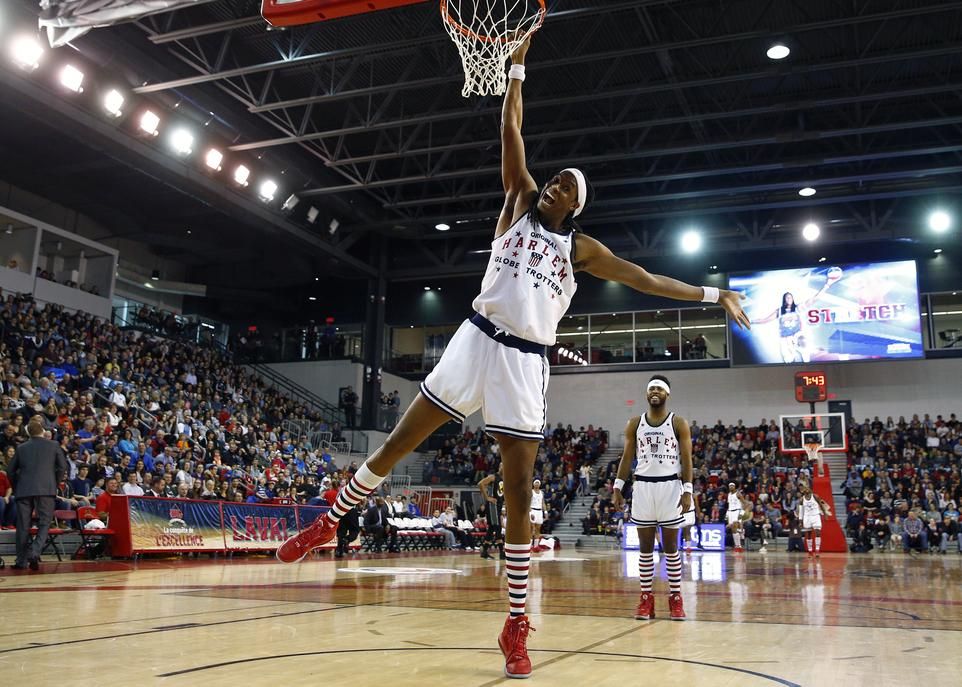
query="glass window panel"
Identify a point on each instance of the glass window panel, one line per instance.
(611, 339)
(704, 334)
(656, 336)
(947, 320)
(573, 337)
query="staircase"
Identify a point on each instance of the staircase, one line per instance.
(837, 468)
(568, 530)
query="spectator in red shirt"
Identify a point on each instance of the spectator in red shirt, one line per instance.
(328, 492)
(103, 501)
(7, 510)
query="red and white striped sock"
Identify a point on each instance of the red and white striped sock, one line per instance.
(808, 542)
(818, 544)
(673, 568)
(356, 490)
(646, 571)
(517, 561)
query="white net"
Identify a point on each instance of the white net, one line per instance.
(486, 32)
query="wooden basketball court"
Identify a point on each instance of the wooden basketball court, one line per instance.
(429, 619)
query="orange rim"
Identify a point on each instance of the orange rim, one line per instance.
(468, 33)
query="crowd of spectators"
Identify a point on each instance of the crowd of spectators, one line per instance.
(50, 276)
(902, 490)
(150, 414)
(563, 463)
(903, 487)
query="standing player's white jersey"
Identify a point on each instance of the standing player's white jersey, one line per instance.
(656, 448)
(537, 500)
(529, 281)
(811, 512)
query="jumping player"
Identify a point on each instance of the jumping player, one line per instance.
(660, 441)
(810, 509)
(735, 515)
(537, 515)
(496, 360)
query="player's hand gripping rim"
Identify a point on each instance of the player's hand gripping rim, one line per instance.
(731, 301)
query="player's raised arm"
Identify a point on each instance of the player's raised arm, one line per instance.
(518, 184)
(624, 467)
(596, 259)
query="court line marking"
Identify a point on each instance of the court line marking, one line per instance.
(156, 631)
(744, 671)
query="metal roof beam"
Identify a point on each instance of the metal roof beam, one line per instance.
(645, 89)
(206, 29)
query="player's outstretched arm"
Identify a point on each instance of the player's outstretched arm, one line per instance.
(518, 184)
(595, 258)
(624, 467)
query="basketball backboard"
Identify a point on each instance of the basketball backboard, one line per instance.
(825, 429)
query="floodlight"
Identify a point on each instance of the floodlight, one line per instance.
(149, 123)
(242, 175)
(72, 78)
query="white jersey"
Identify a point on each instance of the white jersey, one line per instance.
(529, 282)
(810, 508)
(656, 448)
(537, 500)
(734, 503)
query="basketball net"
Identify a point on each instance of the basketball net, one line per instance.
(486, 32)
(815, 456)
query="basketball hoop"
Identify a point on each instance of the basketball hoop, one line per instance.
(486, 32)
(812, 450)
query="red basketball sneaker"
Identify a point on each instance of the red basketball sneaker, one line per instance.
(514, 645)
(646, 607)
(675, 607)
(319, 533)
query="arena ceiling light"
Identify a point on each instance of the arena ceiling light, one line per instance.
(937, 251)
(72, 79)
(242, 175)
(213, 159)
(267, 190)
(182, 141)
(811, 232)
(691, 241)
(149, 122)
(940, 221)
(26, 51)
(807, 192)
(114, 102)
(442, 226)
(778, 51)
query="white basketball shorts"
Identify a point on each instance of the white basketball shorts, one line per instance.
(508, 385)
(734, 516)
(688, 519)
(812, 523)
(537, 517)
(655, 504)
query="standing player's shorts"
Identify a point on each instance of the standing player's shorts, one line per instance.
(734, 516)
(688, 519)
(504, 376)
(537, 517)
(655, 503)
(812, 523)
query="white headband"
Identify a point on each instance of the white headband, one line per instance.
(582, 188)
(658, 384)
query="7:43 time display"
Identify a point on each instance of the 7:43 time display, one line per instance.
(810, 387)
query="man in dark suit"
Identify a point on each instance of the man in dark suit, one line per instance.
(376, 524)
(37, 467)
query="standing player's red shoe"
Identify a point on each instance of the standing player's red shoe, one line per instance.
(514, 645)
(675, 607)
(646, 607)
(319, 533)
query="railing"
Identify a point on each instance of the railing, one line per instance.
(327, 410)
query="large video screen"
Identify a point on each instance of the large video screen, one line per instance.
(829, 313)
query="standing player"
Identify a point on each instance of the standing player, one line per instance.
(810, 509)
(494, 507)
(661, 443)
(537, 516)
(496, 360)
(735, 515)
(793, 346)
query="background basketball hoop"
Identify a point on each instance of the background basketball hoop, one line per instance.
(486, 32)
(813, 451)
